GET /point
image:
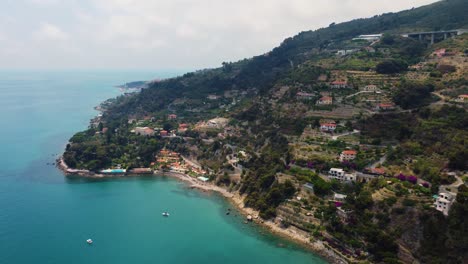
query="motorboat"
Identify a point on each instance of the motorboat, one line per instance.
(89, 241)
(166, 214)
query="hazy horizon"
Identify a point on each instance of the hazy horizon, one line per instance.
(178, 35)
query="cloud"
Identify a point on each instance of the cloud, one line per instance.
(166, 34)
(48, 31)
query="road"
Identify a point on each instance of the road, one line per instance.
(355, 131)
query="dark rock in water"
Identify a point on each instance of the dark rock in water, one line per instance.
(227, 213)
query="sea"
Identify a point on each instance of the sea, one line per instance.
(47, 218)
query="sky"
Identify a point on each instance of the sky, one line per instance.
(162, 34)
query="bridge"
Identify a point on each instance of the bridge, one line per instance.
(435, 35)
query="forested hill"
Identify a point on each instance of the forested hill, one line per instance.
(262, 71)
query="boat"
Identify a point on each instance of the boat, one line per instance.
(165, 214)
(89, 241)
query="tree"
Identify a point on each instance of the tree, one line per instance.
(391, 67)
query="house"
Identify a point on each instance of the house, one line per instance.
(345, 52)
(336, 172)
(326, 100)
(172, 116)
(327, 127)
(385, 106)
(213, 97)
(304, 96)
(341, 175)
(348, 155)
(339, 197)
(164, 133)
(370, 88)
(183, 127)
(144, 131)
(463, 98)
(443, 202)
(309, 187)
(339, 84)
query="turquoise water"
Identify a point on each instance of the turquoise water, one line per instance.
(46, 218)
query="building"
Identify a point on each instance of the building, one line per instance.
(341, 175)
(164, 133)
(462, 98)
(345, 52)
(339, 85)
(327, 127)
(370, 88)
(309, 187)
(339, 197)
(385, 106)
(141, 171)
(172, 116)
(371, 37)
(213, 97)
(336, 172)
(326, 100)
(144, 131)
(183, 127)
(443, 202)
(304, 96)
(348, 155)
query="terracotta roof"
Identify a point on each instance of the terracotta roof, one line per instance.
(339, 82)
(349, 152)
(326, 98)
(328, 124)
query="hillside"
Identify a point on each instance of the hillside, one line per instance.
(377, 127)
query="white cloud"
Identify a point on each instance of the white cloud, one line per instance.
(166, 34)
(49, 31)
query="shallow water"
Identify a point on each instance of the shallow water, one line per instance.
(46, 218)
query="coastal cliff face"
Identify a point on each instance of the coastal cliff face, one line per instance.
(386, 111)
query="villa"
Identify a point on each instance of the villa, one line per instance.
(326, 100)
(348, 155)
(327, 127)
(443, 202)
(341, 175)
(339, 85)
(144, 131)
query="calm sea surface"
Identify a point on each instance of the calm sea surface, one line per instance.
(46, 218)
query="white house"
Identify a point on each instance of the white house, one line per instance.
(443, 202)
(341, 175)
(328, 127)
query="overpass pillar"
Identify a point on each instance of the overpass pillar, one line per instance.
(432, 38)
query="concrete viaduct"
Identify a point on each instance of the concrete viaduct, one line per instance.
(435, 34)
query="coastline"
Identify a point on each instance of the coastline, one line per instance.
(291, 233)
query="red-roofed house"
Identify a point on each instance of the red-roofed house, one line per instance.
(183, 127)
(326, 100)
(328, 127)
(172, 116)
(385, 106)
(164, 133)
(339, 84)
(348, 155)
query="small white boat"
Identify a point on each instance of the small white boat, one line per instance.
(89, 241)
(165, 214)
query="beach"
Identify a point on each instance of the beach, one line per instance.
(291, 233)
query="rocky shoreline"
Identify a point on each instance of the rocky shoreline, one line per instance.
(291, 233)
